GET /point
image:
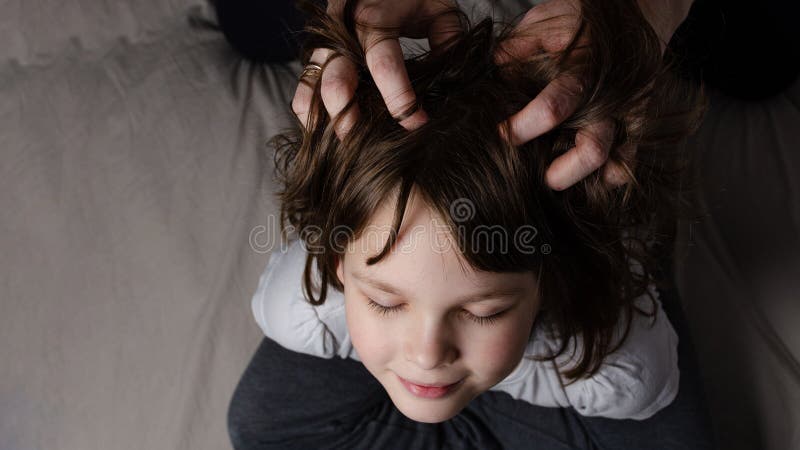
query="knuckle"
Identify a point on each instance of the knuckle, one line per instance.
(337, 90)
(552, 111)
(370, 14)
(556, 41)
(384, 65)
(562, 40)
(593, 155)
(572, 85)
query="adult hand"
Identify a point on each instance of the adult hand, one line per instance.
(384, 58)
(559, 99)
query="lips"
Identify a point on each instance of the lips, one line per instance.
(430, 385)
(435, 390)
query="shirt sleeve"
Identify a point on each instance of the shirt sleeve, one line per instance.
(287, 317)
(634, 382)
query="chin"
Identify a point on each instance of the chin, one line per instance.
(427, 413)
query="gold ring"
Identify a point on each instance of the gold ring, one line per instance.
(311, 70)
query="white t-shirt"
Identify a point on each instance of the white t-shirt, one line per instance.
(634, 382)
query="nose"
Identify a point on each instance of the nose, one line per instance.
(430, 345)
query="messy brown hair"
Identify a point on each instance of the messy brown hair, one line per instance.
(598, 241)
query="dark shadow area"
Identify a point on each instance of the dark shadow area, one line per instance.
(747, 50)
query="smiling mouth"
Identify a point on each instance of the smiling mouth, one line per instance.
(428, 391)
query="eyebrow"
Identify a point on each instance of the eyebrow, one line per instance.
(499, 292)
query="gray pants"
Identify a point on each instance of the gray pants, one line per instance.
(288, 400)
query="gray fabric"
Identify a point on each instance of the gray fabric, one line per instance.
(42, 32)
(130, 185)
(132, 142)
(739, 269)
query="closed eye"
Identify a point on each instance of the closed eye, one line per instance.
(387, 310)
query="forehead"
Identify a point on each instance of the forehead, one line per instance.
(423, 238)
(424, 258)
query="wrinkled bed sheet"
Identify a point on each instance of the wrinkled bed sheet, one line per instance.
(135, 218)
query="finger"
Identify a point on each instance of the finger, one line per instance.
(301, 102)
(557, 101)
(339, 83)
(592, 145)
(552, 38)
(386, 64)
(614, 173)
(443, 29)
(523, 44)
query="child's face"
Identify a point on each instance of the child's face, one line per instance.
(431, 337)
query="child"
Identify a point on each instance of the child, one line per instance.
(571, 320)
(634, 382)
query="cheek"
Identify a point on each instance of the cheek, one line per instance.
(367, 333)
(497, 354)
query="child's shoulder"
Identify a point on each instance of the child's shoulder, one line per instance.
(649, 329)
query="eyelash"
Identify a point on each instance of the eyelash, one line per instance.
(385, 311)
